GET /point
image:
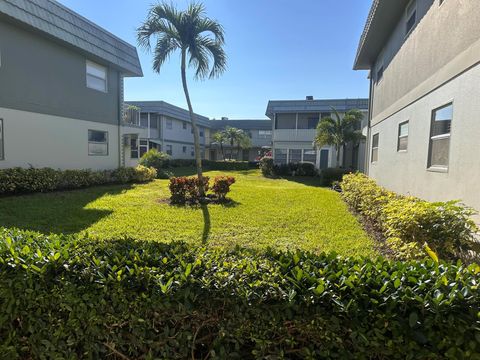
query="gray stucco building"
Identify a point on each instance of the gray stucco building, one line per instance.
(294, 124)
(424, 63)
(61, 87)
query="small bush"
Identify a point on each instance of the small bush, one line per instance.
(68, 298)
(186, 189)
(221, 186)
(32, 180)
(306, 169)
(267, 166)
(409, 223)
(330, 175)
(155, 159)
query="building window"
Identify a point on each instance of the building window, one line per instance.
(264, 134)
(153, 122)
(96, 76)
(97, 143)
(144, 120)
(440, 136)
(202, 134)
(184, 149)
(402, 136)
(134, 148)
(169, 124)
(143, 146)
(2, 148)
(169, 150)
(411, 16)
(375, 141)
(192, 151)
(324, 115)
(286, 121)
(281, 156)
(295, 156)
(184, 125)
(310, 155)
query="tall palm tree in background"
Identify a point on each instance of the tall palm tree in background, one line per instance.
(243, 142)
(199, 39)
(233, 135)
(339, 131)
(220, 138)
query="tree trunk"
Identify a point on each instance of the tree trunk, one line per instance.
(337, 148)
(196, 137)
(238, 151)
(231, 149)
(221, 149)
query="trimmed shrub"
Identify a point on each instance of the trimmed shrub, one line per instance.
(186, 189)
(267, 166)
(330, 175)
(306, 169)
(213, 165)
(408, 223)
(221, 186)
(71, 298)
(155, 159)
(32, 180)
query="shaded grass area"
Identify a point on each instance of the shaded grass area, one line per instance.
(282, 213)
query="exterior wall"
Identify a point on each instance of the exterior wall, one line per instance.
(444, 43)
(40, 75)
(407, 172)
(38, 140)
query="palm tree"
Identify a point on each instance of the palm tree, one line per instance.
(243, 142)
(339, 131)
(220, 138)
(199, 40)
(233, 135)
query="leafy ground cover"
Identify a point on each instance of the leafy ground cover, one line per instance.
(279, 213)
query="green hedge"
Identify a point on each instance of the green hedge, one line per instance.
(409, 223)
(31, 180)
(213, 165)
(71, 298)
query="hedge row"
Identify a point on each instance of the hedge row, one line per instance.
(412, 225)
(270, 169)
(20, 181)
(71, 298)
(214, 165)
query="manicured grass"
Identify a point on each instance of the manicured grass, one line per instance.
(284, 214)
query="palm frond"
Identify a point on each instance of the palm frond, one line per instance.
(164, 48)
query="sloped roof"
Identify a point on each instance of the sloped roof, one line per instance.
(56, 21)
(381, 21)
(243, 124)
(324, 105)
(164, 108)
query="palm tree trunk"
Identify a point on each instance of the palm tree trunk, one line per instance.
(221, 149)
(231, 149)
(196, 137)
(337, 148)
(238, 151)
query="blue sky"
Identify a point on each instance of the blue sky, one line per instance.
(277, 49)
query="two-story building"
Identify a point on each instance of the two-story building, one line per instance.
(165, 127)
(294, 124)
(61, 87)
(424, 63)
(259, 132)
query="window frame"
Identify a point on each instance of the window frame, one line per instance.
(2, 139)
(432, 138)
(169, 124)
(375, 148)
(400, 136)
(169, 152)
(184, 125)
(87, 74)
(98, 142)
(134, 149)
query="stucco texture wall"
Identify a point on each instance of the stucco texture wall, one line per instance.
(444, 43)
(407, 172)
(38, 140)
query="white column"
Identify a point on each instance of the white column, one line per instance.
(148, 122)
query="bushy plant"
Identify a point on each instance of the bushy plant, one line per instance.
(221, 186)
(68, 297)
(329, 176)
(32, 180)
(409, 223)
(155, 159)
(186, 189)
(306, 169)
(267, 166)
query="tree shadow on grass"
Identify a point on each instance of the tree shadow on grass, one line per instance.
(207, 224)
(56, 212)
(313, 181)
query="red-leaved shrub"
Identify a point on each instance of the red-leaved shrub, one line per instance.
(221, 186)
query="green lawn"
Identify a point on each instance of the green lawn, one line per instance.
(284, 214)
